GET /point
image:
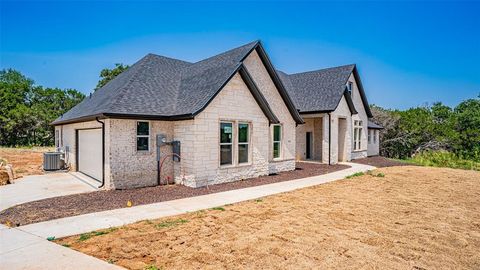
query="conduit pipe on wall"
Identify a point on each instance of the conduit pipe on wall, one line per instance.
(103, 152)
(329, 137)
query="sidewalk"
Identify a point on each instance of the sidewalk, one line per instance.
(119, 217)
(25, 247)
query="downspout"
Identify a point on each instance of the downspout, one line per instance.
(329, 137)
(103, 152)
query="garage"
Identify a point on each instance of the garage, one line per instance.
(89, 159)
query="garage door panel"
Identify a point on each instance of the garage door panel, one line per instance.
(90, 152)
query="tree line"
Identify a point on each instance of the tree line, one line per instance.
(27, 109)
(430, 128)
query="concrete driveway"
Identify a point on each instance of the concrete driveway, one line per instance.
(37, 187)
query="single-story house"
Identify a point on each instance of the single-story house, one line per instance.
(226, 118)
(335, 109)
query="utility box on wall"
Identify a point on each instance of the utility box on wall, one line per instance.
(176, 150)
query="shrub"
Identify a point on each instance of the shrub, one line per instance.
(444, 159)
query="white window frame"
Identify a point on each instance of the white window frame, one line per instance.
(142, 136)
(230, 143)
(370, 136)
(357, 135)
(350, 87)
(375, 136)
(280, 152)
(243, 143)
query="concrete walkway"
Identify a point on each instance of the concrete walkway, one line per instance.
(21, 250)
(25, 247)
(119, 217)
(37, 187)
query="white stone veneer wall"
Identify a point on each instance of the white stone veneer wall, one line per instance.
(131, 168)
(361, 115)
(200, 138)
(265, 83)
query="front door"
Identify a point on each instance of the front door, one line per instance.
(308, 151)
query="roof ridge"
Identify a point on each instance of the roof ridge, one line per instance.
(228, 51)
(322, 69)
(169, 58)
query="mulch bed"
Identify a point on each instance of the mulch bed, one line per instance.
(79, 204)
(380, 162)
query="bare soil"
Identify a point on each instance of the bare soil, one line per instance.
(24, 161)
(412, 218)
(380, 162)
(84, 203)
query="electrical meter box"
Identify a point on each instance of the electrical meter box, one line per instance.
(161, 139)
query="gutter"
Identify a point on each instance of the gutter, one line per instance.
(103, 152)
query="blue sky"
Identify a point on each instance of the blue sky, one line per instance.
(408, 53)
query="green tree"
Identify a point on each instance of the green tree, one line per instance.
(468, 127)
(107, 74)
(26, 110)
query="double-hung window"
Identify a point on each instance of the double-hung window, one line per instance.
(370, 136)
(57, 138)
(357, 134)
(143, 136)
(243, 142)
(375, 136)
(277, 141)
(226, 143)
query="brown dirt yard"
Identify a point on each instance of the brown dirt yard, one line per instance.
(25, 161)
(411, 218)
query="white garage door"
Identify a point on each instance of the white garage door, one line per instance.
(90, 152)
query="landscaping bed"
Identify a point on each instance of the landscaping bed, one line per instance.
(380, 162)
(84, 203)
(392, 218)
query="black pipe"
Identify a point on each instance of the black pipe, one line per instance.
(329, 137)
(103, 152)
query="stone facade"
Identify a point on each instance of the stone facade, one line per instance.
(374, 142)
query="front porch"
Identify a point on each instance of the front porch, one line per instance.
(322, 140)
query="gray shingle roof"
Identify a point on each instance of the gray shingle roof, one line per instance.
(319, 90)
(159, 87)
(374, 125)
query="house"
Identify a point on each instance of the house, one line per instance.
(221, 119)
(335, 109)
(226, 118)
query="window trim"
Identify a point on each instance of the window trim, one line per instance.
(357, 135)
(230, 143)
(243, 143)
(142, 136)
(280, 142)
(350, 87)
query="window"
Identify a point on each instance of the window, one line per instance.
(357, 135)
(243, 141)
(370, 136)
(350, 87)
(277, 141)
(375, 136)
(226, 143)
(57, 139)
(143, 136)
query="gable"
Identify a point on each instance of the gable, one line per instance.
(281, 105)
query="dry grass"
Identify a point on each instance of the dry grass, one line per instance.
(407, 218)
(25, 161)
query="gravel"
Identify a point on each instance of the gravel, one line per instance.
(84, 203)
